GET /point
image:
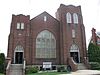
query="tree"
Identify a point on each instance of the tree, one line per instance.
(93, 53)
(2, 62)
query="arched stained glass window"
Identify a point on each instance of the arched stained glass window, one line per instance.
(74, 48)
(45, 45)
(75, 18)
(19, 48)
(68, 17)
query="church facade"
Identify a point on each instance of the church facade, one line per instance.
(57, 41)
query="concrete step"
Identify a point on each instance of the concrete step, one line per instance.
(16, 69)
(16, 72)
(81, 66)
(16, 66)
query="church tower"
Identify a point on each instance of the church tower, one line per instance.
(72, 33)
(18, 43)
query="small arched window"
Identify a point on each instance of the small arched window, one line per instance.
(19, 48)
(74, 48)
(75, 18)
(68, 17)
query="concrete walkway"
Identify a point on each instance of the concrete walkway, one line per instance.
(84, 72)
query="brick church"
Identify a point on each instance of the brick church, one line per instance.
(45, 39)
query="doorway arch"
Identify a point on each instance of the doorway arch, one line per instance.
(75, 53)
(18, 54)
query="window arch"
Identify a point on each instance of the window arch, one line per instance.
(45, 45)
(68, 17)
(74, 48)
(19, 48)
(75, 18)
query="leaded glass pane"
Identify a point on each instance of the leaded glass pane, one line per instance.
(45, 45)
(74, 48)
(75, 18)
(19, 48)
(68, 17)
(22, 25)
(18, 25)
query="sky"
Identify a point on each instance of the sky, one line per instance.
(90, 12)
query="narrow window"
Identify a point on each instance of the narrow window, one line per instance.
(22, 25)
(68, 17)
(75, 18)
(45, 18)
(73, 33)
(18, 25)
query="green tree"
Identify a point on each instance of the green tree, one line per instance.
(2, 62)
(93, 53)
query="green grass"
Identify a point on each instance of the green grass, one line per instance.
(1, 74)
(48, 73)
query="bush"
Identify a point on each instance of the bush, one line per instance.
(61, 69)
(95, 65)
(32, 70)
(2, 63)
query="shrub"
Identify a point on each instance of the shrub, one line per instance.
(32, 70)
(95, 65)
(61, 69)
(2, 63)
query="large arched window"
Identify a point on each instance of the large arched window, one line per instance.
(68, 17)
(45, 45)
(19, 48)
(75, 18)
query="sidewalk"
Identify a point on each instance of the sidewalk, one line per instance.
(84, 72)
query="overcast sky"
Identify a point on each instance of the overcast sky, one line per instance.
(90, 12)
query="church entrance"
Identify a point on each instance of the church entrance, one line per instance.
(75, 53)
(75, 56)
(18, 57)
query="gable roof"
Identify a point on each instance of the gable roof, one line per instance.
(45, 13)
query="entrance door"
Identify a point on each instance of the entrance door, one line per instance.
(18, 57)
(75, 56)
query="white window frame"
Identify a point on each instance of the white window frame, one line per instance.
(68, 17)
(18, 25)
(75, 18)
(45, 18)
(22, 25)
(73, 33)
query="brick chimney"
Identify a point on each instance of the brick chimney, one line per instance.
(93, 35)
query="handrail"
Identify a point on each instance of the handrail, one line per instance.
(24, 66)
(8, 67)
(72, 63)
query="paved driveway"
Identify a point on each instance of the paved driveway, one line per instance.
(84, 72)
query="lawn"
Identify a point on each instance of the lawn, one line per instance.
(48, 73)
(1, 74)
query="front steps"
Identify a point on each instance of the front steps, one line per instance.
(81, 66)
(16, 69)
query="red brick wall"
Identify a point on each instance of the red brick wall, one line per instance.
(60, 29)
(66, 32)
(37, 25)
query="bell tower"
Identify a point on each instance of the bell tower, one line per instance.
(72, 33)
(18, 47)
